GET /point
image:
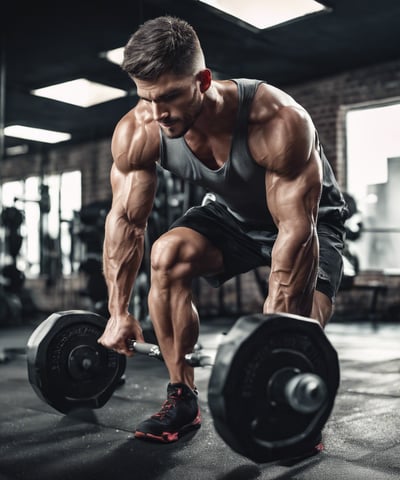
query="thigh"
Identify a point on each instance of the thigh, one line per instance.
(186, 253)
(240, 252)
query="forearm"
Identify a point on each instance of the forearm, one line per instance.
(293, 273)
(122, 256)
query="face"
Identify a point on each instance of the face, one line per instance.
(175, 101)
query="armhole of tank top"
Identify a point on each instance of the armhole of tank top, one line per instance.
(245, 111)
(162, 149)
(318, 143)
(247, 100)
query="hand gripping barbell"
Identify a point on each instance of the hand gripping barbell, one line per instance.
(271, 390)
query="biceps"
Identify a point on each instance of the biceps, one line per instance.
(294, 203)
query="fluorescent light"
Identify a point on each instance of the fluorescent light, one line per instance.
(36, 134)
(80, 92)
(115, 56)
(266, 13)
(17, 150)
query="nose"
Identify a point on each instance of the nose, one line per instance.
(159, 111)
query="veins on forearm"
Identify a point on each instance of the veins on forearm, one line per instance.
(293, 275)
(123, 244)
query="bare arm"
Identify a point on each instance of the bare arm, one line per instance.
(293, 189)
(134, 182)
(133, 195)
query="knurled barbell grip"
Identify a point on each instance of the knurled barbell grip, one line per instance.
(149, 349)
(195, 359)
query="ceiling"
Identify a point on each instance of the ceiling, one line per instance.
(46, 43)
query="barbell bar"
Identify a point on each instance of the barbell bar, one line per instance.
(271, 390)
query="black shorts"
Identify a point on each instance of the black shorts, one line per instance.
(244, 249)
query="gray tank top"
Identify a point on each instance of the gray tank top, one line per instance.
(240, 183)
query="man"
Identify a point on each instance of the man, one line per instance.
(277, 203)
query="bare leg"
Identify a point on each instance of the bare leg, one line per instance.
(177, 257)
(322, 308)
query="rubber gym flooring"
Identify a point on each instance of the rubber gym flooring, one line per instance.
(361, 437)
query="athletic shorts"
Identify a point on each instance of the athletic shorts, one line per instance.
(244, 249)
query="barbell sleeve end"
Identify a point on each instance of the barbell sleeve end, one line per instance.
(306, 392)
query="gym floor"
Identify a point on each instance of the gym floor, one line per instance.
(361, 437)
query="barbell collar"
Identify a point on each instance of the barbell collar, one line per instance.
(304, 392)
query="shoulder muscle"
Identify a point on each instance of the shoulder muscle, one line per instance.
(135, 142)
(282, 134)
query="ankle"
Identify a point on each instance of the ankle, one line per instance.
(182, 391)
(186, 385)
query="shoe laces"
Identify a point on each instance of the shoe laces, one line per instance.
(168, 404)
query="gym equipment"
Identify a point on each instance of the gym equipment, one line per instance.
(14, 278)
(67, 368)
(271, 390)
(274, 386)
(11, 218)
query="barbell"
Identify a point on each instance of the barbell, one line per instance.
(271, 390)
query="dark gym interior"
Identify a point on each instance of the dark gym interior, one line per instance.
(343, 66)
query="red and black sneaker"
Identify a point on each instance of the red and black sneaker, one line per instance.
(179, 414)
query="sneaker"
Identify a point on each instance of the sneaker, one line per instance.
(178, 415)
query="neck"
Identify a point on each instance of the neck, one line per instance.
(214, 113)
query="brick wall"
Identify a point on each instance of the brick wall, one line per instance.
(93, 159)
(326, 99)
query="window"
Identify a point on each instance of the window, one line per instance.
(48, 205)
(373, 176)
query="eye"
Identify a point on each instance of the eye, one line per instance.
(170, 96)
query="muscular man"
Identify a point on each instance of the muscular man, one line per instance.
(277, 203)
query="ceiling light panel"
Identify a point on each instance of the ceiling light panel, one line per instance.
(36, 134)
(115, 56)
(266, 13)
(80, 92)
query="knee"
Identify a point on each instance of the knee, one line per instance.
(167, 252)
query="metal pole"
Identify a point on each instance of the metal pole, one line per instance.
(2, 96)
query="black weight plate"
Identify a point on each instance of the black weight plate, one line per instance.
(67, 368)
(256, 347)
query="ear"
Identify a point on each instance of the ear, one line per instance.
(205, 78)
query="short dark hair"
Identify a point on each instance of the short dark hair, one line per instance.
(160, 45)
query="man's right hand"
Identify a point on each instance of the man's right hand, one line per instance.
(119, 330)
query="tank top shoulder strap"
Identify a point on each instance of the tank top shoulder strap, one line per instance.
(246, 90)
